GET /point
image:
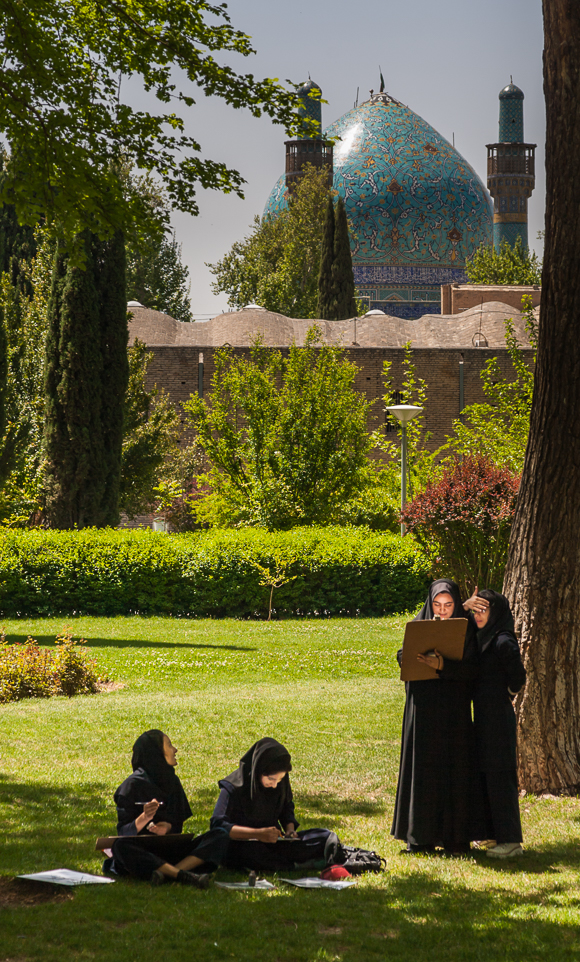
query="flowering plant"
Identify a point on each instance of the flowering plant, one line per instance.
(29, 671)
(463, 519)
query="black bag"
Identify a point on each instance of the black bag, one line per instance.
(358, 860)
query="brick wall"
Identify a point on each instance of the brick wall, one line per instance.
(459, 297)
(176, 370)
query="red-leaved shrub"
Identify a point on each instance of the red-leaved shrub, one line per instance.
(463, 521)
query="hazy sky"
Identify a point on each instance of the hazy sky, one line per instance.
(446, 59)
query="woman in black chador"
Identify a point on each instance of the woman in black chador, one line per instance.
(439, 795)
(501, 675)
(256, 808)
(152, 801)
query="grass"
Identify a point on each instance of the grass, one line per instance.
(329, 690)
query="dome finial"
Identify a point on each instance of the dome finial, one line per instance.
(382, 90)
(511, 78)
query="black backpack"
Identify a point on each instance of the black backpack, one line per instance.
(358, 860)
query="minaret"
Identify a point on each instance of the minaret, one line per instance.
(510, 170)
(310, 148)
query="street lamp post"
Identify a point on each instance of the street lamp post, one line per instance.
(404, 413)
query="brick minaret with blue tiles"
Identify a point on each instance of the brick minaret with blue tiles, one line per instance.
(310, 148)
(511, 170)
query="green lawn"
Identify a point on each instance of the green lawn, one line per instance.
(327, 689)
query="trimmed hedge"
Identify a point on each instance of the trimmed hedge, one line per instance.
(209, 573)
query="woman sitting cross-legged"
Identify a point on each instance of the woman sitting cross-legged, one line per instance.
(152, 801)
(256, 808)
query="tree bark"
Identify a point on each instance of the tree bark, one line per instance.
(542, 577)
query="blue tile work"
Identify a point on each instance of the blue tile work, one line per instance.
(509, 232)
(310, 96)
(511, 115)
(416, 209)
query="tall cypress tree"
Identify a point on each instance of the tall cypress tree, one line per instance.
(343, 299)
(111, 287)
(85, 385)
(325, 282)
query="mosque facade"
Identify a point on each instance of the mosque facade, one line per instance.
(416, 209)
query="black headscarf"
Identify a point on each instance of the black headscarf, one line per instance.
(500, 618)
(262, 805)
(149, 756)
(437, 588)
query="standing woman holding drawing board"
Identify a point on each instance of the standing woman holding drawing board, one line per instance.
(439, 794)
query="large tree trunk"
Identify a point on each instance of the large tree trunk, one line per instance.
(543, 572)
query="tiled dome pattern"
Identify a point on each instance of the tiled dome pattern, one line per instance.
(416, 208)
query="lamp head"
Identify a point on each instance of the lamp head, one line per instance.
(404, 412)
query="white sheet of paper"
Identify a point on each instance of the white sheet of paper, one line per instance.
(261, 883)
(320, 883)
(65, 876)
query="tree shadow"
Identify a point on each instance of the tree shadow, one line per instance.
(333, 806)
(400, 915)
(48, 641)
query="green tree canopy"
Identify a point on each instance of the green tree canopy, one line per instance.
(509, 265)
(69, 126)
(287, 437)
(498, 430)
(150, 433)
(277, 265)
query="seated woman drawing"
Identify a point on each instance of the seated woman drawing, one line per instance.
(256, 808)
(152, 802)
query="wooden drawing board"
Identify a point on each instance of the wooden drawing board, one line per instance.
(448, 637)
(156, 844)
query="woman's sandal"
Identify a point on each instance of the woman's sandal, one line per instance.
(190, 878)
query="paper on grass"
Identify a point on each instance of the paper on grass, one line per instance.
(65, 876)
(319, 883)
(261, 883)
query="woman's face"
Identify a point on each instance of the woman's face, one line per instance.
(443, 605)
(169, 751)
(271, 781)
(481, 617)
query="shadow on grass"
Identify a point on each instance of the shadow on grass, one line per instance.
(411, 918)
(331, 805)
(48, 640)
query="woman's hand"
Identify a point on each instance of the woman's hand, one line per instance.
(475, 603)
(268, 834)
(433, 659)
(147, 814)
(290, 831)
(159, 828)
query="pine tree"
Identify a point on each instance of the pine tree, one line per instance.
(343, 299)
(325, 280)
(86, 380)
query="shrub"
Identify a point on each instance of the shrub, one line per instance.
(208, 573)
(28, 671)
(463, 520)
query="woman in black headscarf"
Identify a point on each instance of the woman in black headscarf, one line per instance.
(256, 808)
(152, 802)
(501, 675)
(439, 798)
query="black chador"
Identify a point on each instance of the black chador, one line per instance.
(154, 778)
(439, 797)
(501, 675)
(245, 802)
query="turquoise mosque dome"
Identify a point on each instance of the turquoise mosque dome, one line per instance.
(416, 209)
